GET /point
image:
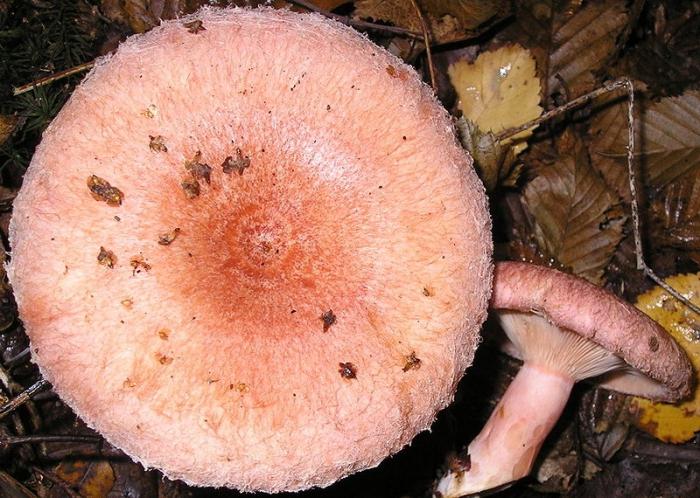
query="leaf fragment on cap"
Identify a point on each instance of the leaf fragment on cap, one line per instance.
(167, 238)
(157, 143)
(102, 190)
(195, 26)
(106, 258)
(238, 163)
(198, 169)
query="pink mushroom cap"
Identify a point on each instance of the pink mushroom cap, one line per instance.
(659, 369)
(250, 252)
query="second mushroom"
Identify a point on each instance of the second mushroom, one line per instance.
(565, 330)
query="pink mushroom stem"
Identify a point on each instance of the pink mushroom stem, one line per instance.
(506, 448)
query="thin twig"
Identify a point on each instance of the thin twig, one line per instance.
(48, 438)
(583, 99)
(426, 40)
(53, 77)
(356, 23)
(636, 222)
(23, 397)
(85, 453)
(19, 358)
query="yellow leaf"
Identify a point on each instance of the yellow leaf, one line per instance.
(673, 423)
(500, 90)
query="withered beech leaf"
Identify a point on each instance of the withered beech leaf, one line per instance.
(499, 90)
(668, 144)
(675, 214)
(675, 423)
(494, 161)
(142, 15)
(669, 60)
(570, 44)
(578, 219)
(448, 20)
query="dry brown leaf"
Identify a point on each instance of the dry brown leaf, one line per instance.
(8, 125)
(93, 479)
(142, 15)
(608, 130)
(571, 43)
(668, 148)
(577, 218)
(448, 20)
(494, 161)
(500, 90)
(666, 55)
(674, 216)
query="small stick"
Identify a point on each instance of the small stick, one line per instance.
(52, 77)
(86, 453)
(19, 358)
(356, 23)
(583, 99)
(426, 40)
(23, 397)
(48, 438)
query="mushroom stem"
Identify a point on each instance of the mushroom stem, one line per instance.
(507, 446)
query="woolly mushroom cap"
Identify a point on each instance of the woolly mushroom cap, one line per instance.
(565, 330)
(250, 252)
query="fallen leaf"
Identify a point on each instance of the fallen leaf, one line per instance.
(142, 15)
(93, 479)
(493, 160)
(608, 132)
(668, 148)
(8, 125)
(571, 43)
(675, 215)
(665, 55)
(448, 20)
(674, 423)
(500, 90)
(577, 218)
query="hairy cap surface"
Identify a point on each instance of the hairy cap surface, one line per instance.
(250, 252)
